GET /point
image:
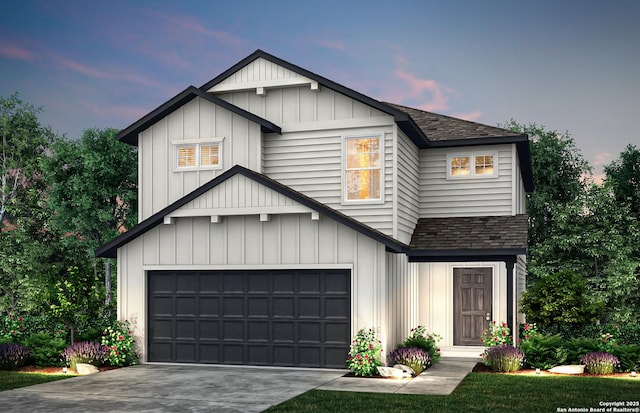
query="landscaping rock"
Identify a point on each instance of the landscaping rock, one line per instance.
(570, 369)
(84, 369)
(391, 372)
(404, 368)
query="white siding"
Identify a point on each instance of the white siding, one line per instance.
(521, 282)
(257, 72)
(159, 184)
(408, 188)
(403, 292)
(435, 284)
(239, 242)
(440, 197)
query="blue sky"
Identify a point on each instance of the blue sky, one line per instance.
(569, 65)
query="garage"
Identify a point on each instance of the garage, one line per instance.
(299, 318)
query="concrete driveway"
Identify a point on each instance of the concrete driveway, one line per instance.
(168, 388)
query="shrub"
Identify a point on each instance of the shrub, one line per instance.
(420, 338)
(497, 334)
(628, 355)
(578, 347)
(120, 343)
(599, 362)
(504, 358)
(45, 349)
(364, 353)
(12, 328)
(85, 352)
(13, 356)
(543, 351)
(414, 357)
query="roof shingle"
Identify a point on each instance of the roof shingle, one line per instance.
(471, 233)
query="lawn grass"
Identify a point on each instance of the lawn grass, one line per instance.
(14, 379)
(479, 392)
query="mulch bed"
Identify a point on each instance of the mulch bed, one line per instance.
(55, 370)
(481, 368)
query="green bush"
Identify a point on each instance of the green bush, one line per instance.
(544, 351)
(578, 347)
(628, 355)
(624, 334)
(420, 338)
(45, 349)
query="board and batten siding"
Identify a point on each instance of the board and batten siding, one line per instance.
(442, 197)
(159, 184)
(260, 70)
(404, 296)
(435, 289)
(521, 282)
(408, 188)
(292, 241)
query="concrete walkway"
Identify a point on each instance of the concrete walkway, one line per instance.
(440, 379)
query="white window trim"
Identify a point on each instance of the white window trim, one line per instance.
(197, 143)
(472, 165)
(345, 200)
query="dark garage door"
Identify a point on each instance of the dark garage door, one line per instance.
(277, 318)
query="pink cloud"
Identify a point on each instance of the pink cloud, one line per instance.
(119, 111)
(602, 158)
(83, 69)
(471, 116)
(329, 44)
(15, 52)
(419, 87)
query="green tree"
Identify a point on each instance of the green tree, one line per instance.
(623, 175)
(560, 298)
(559, 172)
(93, 189)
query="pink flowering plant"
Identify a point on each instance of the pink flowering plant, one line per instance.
(120, 344)
(13, 328)
(496, 334)
(365, 353)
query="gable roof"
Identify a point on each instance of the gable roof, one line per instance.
(402, 119)
(109, 250)
(469, 236)
(425, 129)
(130, 134)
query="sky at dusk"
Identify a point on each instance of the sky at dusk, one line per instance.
(568, 65)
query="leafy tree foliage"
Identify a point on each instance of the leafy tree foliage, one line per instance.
(623, 175)
(93, 189)
(560, 298)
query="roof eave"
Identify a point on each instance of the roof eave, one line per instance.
(460, 255)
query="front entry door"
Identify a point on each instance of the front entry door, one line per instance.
(472, 289)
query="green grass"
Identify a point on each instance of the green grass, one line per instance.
(478, 392)
(14, 379)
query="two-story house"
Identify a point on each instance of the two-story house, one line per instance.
(280, 212)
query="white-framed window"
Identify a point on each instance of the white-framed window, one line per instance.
(362, 167)
(472, 165)
(199, 154)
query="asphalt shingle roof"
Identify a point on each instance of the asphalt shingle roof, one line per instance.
(470, 233)
(445, 128)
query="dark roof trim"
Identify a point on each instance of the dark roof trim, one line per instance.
(130, 134)
(506, 255)
(402, 119)
(109, 250)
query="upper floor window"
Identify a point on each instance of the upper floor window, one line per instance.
(197, 155)
(363, 168)
(482, 165)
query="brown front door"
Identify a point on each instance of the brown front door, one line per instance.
(471, 304)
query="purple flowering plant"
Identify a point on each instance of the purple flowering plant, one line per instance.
(414, 357)
(85, 352)
(599, 362)
(365, 353)
(13, 356)
(504, 358)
